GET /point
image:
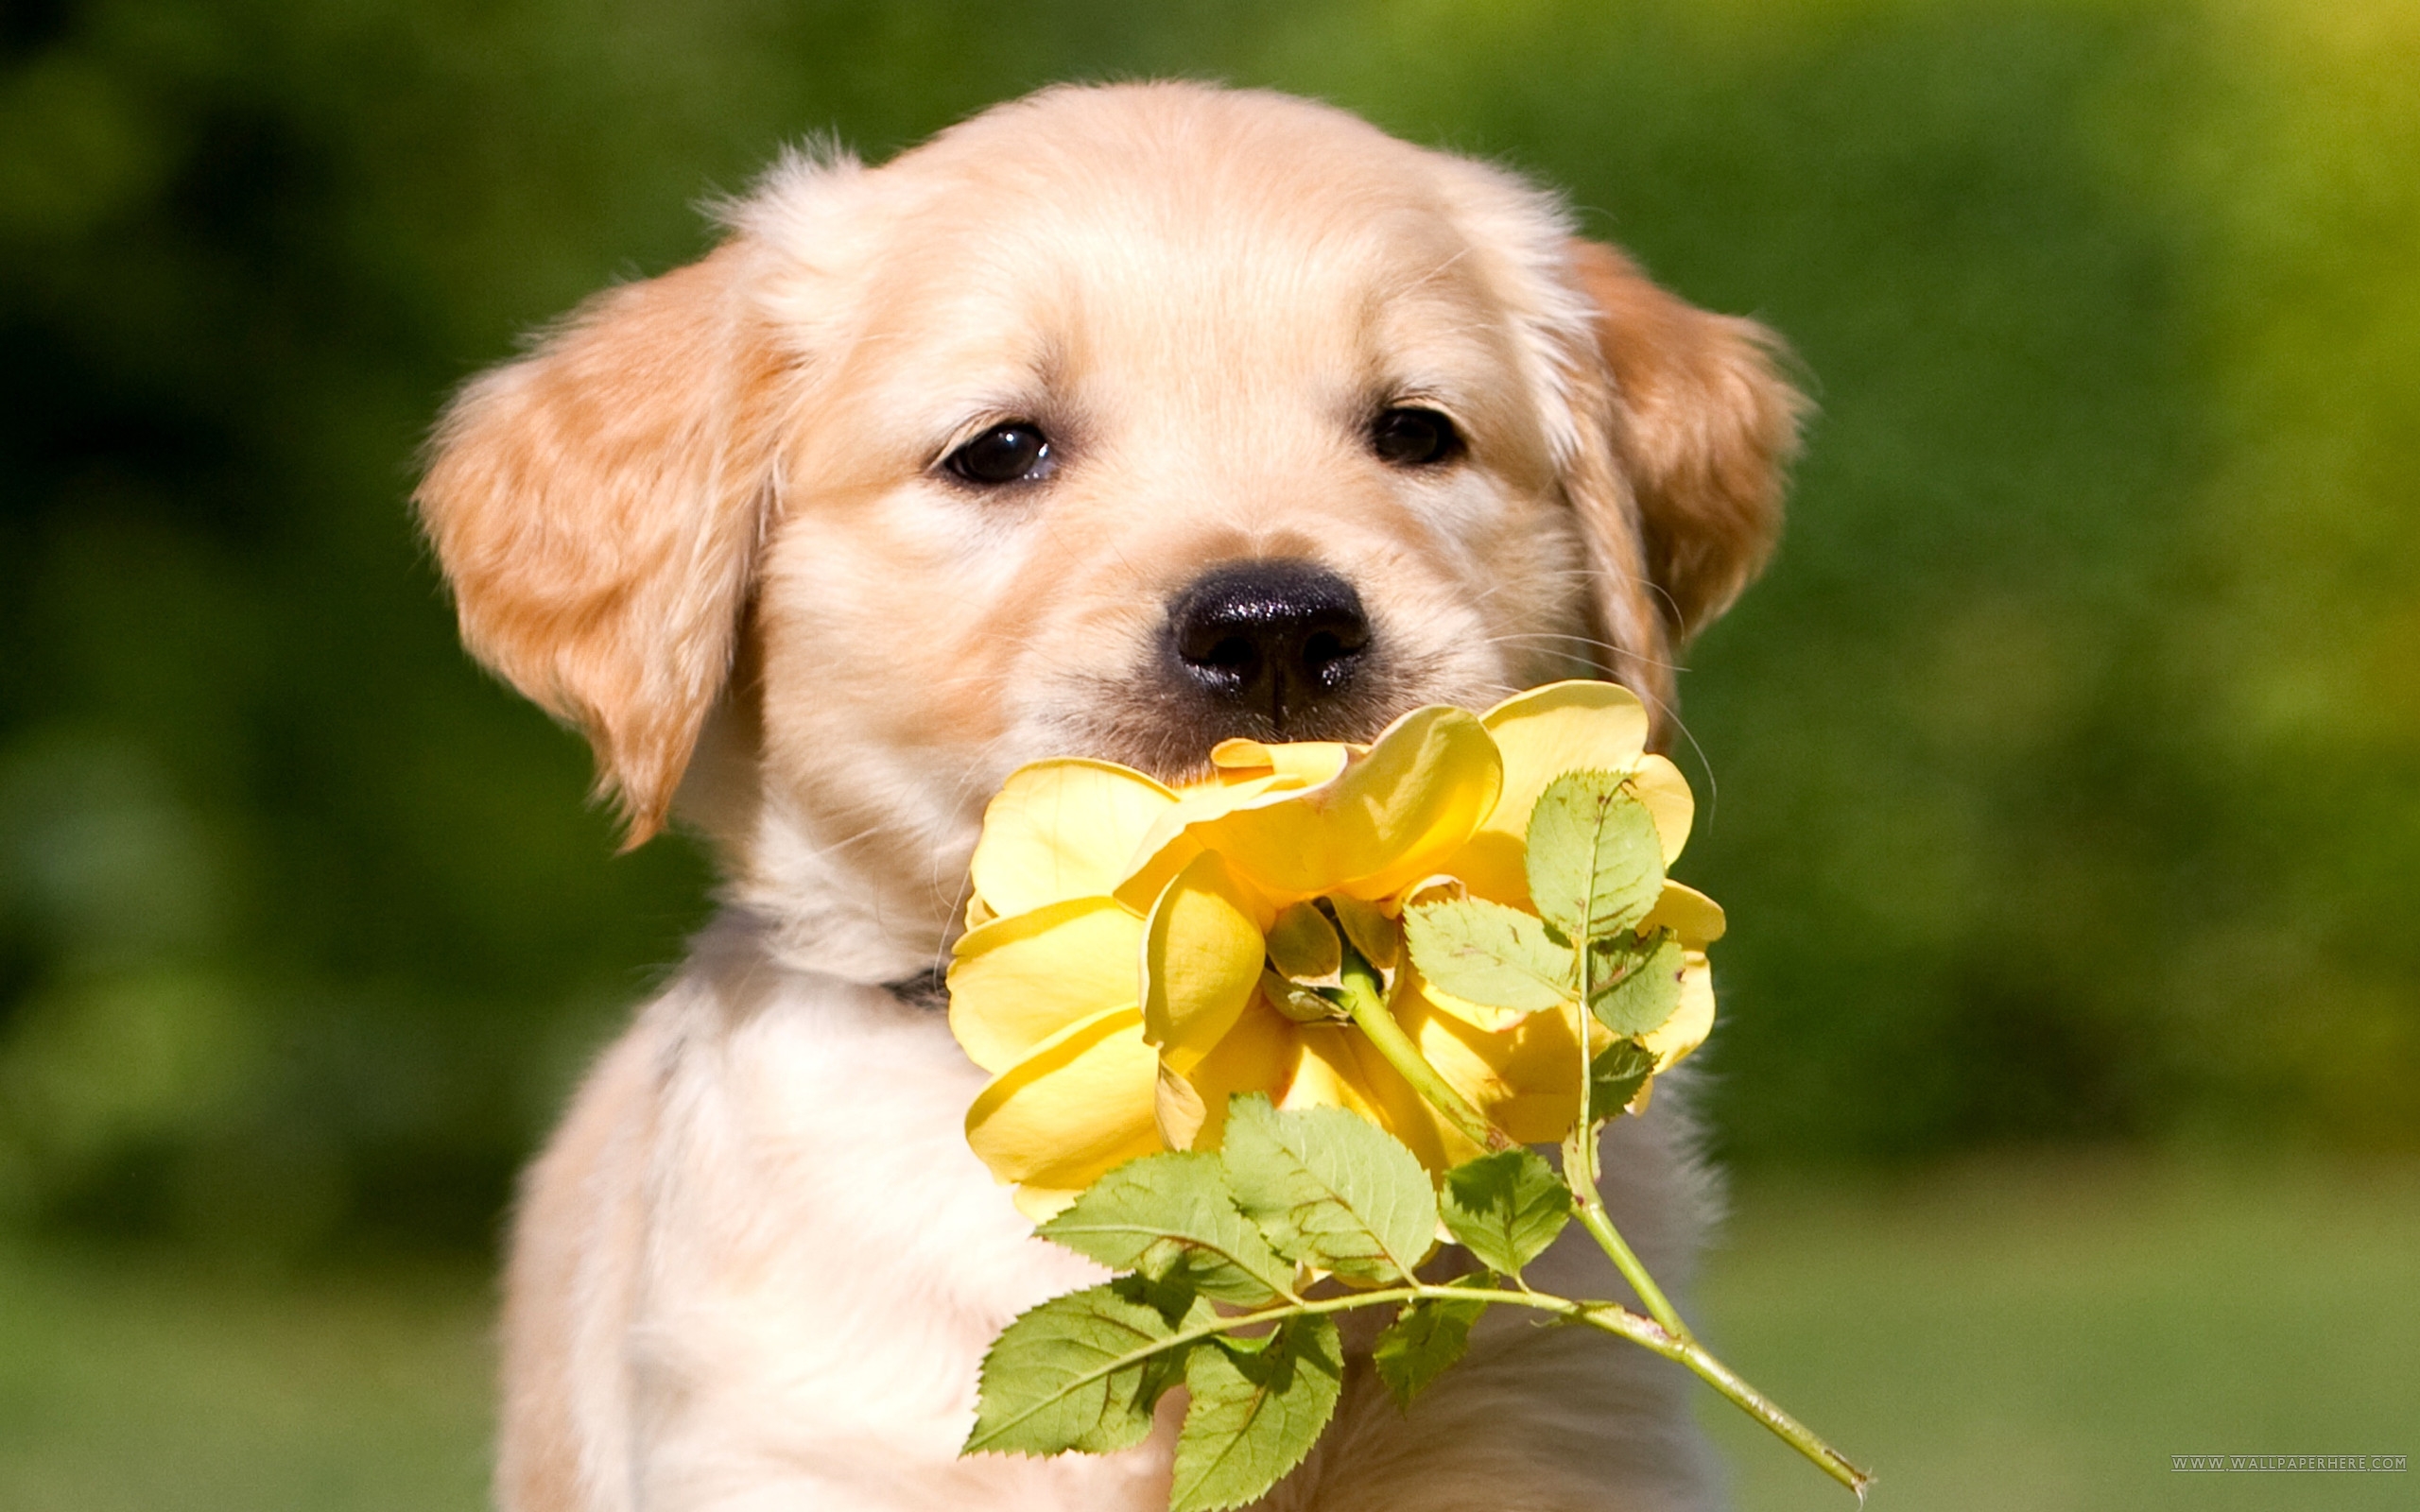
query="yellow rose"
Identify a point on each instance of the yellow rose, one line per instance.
(1137, 955)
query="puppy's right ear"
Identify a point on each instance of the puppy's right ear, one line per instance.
(596, 506)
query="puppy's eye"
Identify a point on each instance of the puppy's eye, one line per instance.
(1014, 452)
(1414, 438)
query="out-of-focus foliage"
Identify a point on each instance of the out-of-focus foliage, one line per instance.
(2065, 770)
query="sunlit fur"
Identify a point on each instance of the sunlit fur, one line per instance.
(704, 522)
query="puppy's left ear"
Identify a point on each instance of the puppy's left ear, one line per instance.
(1702, 427)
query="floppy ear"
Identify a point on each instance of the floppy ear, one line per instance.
(596, 506)
(1703, 426)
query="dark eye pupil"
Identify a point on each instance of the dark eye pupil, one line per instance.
(1005, 454)
(1414, 438)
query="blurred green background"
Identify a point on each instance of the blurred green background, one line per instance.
(2064, 775)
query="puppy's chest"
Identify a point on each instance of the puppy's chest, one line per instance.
(826, 1240)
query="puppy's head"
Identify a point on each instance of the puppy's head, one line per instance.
(1112, 422)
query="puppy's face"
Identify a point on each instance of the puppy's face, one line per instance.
(1112, 423)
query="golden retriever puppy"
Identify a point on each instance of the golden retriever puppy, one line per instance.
(1114, 421)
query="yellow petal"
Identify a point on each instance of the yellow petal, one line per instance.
(1178, 1107)
(1483, 1017)
(1660, 785)
(1479, 1016)
(1042, 1204)
(1062, 829)
(1303, 944)
(1168, 845)
(1017, 981)
(1340, 1069)
(1202, 949)
(1258, 1054)
(1310, 762)
(1686, 912)
(1542, 734)
(1242, 757)
(1693, 1021)
(1439, 888)
(1078, 1104)
(1163, 857)
(1389, 819)
(1524, 1079)
(1305, 761)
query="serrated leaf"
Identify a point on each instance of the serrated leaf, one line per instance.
(1505, 1208)
(1080, 1372)
(1170, 1217)
(1490, 955)
(1596, 863)
(1645, 986)
(1258, 1408)
(1425, 1337)
(1616, 1074)
(1172, 1293)
(1328, 1188)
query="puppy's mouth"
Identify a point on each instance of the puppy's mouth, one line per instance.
(1168, 731)
(1266, 649)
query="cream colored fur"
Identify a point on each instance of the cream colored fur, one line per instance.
(704, 522)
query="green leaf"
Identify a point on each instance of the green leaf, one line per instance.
(1329, 1187)
(1505, 1208)
(1257, 1411)
(1171, 1294)
(1644, 989)
(1171, 1218)
(1615, 1076)
(1425, 1338)
(1490, 955)
(1596, 863)
(1079, 1371)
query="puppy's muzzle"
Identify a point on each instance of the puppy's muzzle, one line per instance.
(1280, 641)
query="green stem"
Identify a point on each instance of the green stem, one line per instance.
(1762, 1408)
(1607, 1317)
(1365, 999)
(1580, 1153)
(1578, 1156)
(1623, 1323)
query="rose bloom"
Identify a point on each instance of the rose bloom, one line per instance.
(1130, 946)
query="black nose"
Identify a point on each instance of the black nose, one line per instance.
(1275, 638)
